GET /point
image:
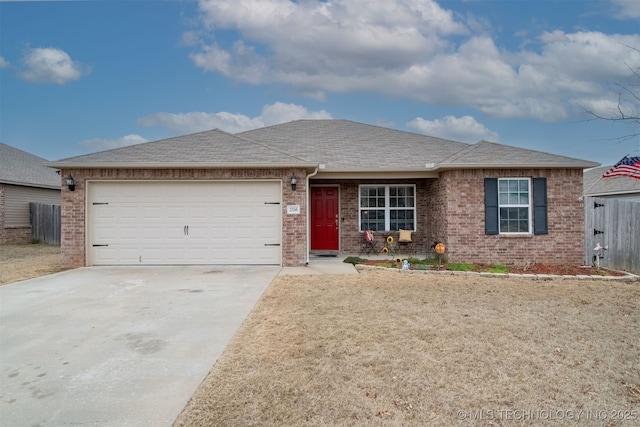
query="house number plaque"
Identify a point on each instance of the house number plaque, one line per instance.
(293, 209)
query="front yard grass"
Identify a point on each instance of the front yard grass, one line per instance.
(26, 261)
(382, 348)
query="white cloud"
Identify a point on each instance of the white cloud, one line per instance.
(99, 144)
(316, 38)
(627, 9)
(4, 63)
(185, 123)
(51, 65)
(409, 49)
(465, 129)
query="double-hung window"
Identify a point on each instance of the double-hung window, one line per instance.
(387, 207)
(514, 205)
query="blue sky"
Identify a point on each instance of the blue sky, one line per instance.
(78, 77)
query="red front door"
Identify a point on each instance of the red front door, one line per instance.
(324, 219)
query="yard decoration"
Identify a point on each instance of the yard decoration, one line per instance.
(391, 246)
(439, 248)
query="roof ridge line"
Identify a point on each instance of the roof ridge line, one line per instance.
(458, 154)
(269, 147)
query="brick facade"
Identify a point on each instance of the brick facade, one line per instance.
(351, 239)
(463, 229)
(451, 210)
(294, 244)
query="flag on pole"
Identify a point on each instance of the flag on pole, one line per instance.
(628, 166)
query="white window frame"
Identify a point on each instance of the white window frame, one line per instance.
(387, 208)
(529, 207)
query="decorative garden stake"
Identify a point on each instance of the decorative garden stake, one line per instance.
(390, 248)
(439, 248)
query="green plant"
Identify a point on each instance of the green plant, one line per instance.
(354, 260)
(459, 266)
(499, 269)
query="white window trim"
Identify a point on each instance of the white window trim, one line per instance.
(387, 208)
(529, 207)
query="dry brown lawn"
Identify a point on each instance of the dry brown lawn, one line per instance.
(21, 262)
(394, 349)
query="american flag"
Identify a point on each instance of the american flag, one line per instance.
(628, 166)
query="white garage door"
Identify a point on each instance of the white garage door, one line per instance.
(155, 223)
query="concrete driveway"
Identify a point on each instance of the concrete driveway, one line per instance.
(110, 346)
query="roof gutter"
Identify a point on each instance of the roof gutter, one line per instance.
(309, 214)
(30, 184)
(445, 166)
(181, 165)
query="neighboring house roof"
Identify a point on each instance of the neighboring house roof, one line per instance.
(18, 167)
(595, 185)
(214, 148)
(332, 145)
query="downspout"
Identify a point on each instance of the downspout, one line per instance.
(309, 214)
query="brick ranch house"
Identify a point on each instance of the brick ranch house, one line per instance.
(217, 198)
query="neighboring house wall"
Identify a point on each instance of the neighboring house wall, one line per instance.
(15, 226)
(294, 245)
(627, 197)
(464, 233)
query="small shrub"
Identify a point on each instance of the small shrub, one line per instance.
(354, 260)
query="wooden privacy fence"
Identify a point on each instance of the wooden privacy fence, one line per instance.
(615, 224)
(45, 223)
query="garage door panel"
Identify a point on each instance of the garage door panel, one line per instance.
(184, 223)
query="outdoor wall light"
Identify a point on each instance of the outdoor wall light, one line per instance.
(294, 182)
(71, 184)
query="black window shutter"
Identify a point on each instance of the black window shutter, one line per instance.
(540, 206)
(491, 206)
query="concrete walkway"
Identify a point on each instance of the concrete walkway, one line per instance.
(321, 265)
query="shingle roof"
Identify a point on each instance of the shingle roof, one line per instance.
(343, 145)
(336, 145)
(214, 148)
(490, 154)
(596, 185)
(22, 168)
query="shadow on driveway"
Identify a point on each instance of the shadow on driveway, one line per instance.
(124, 346)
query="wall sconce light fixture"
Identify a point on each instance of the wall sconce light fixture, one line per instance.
(294, 183)
(71, 184)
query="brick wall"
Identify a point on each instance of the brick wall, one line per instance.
(464, 225)
(294, 249)
(351, 239)
(450, 210)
